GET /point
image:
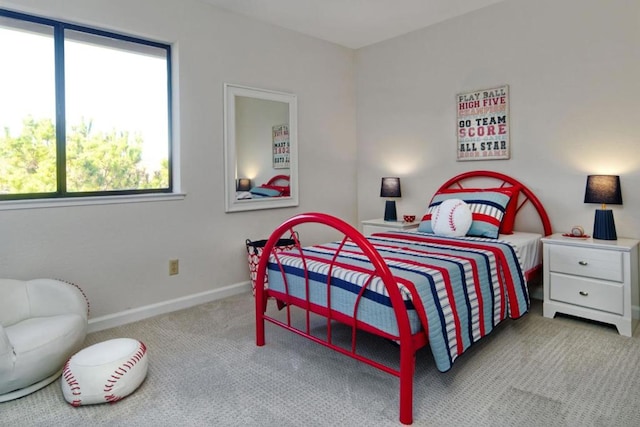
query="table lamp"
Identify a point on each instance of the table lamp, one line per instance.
(244, 184)
(603, 189)
(390, 188)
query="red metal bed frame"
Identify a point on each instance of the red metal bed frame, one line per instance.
(409, 343)
(277, 183)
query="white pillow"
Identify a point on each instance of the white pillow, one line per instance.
(452, 218)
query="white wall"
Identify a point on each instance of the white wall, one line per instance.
(572, 67)
(119, 253)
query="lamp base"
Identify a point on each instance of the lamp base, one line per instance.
(390, 211)
(604, 227)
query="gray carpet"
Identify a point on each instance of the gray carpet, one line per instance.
(205, 370)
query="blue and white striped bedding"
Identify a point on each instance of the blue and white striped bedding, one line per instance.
(466, 285)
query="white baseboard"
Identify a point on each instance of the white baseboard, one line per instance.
(133, 315)
(140, 313)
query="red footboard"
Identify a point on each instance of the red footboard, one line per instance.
(409, 343)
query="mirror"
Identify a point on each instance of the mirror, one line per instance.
(261, 148)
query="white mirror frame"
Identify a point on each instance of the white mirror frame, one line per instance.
(231, 91)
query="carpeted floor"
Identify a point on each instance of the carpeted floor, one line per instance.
(205, 370)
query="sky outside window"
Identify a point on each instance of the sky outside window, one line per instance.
(118, 89)
(27, 78)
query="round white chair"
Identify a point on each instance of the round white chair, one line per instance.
(104, 372)
(42, 323)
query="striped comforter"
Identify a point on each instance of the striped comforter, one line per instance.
(456, 290)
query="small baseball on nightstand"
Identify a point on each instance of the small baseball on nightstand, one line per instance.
(409, 218)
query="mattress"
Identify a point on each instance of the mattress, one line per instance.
(528, 246)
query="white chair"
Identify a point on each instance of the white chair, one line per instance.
(42, 323)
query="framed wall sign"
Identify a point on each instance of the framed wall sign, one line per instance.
(280, 134)
(483, 124)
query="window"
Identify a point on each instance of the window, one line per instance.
(83, 112)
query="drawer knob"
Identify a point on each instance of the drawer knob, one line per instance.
(583, 262)
(583, 293)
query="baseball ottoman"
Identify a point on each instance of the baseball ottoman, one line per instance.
(104, 372)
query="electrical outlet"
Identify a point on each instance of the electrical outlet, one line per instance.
(174, 267)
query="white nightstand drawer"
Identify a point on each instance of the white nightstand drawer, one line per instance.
(586, 262)
(605, 296)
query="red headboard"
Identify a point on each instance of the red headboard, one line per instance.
(280, 183)
(526, 195)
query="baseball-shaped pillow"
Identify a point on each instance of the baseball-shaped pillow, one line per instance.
(451, 219)
(104, 372)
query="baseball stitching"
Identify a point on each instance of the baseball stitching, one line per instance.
(452, 224)
(434, 219)
(74, 387)
(119, 373)
(82, 292)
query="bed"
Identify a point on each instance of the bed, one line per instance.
(278, 186)
(416, 288)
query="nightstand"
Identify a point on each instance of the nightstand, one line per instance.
(379, 225)
(592, 279)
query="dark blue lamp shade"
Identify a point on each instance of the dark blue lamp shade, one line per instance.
(390, 188)
(603, 189)
(244, 184)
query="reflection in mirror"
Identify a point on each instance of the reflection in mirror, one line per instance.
(261, 170)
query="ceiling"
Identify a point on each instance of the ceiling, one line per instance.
(352, 23)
